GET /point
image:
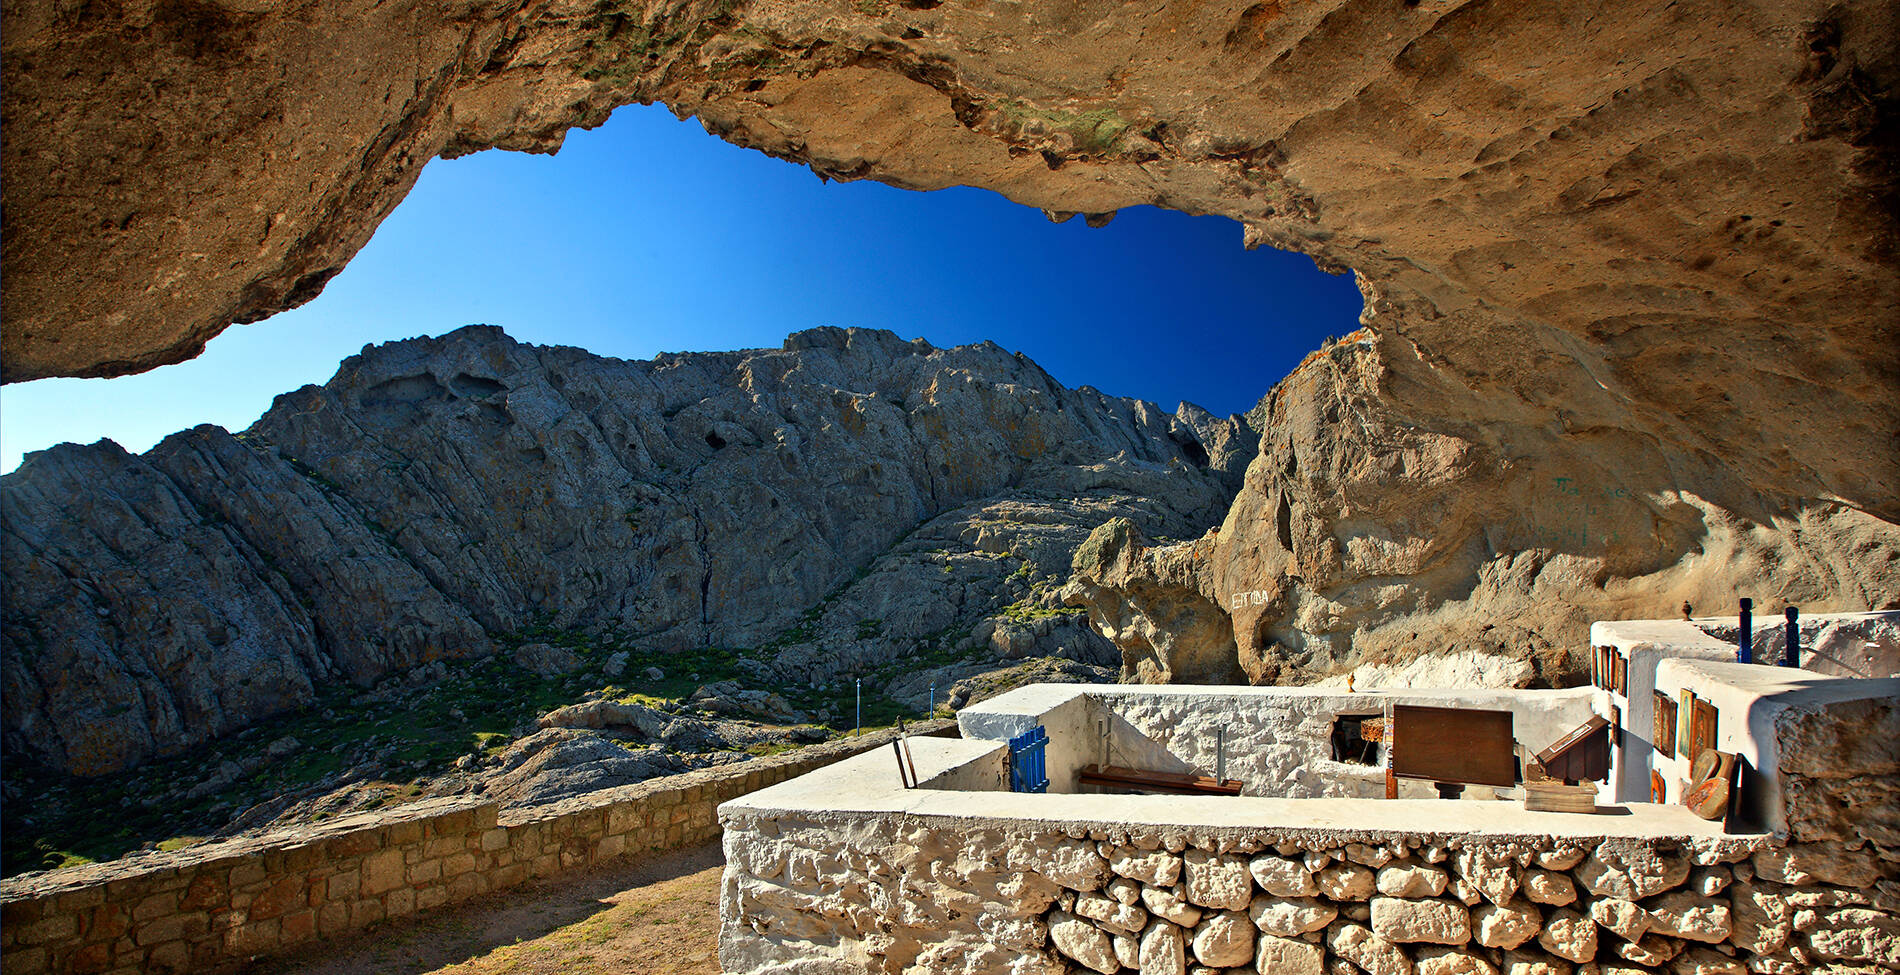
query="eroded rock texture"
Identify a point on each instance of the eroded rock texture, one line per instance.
(1630, 270)
(1373, 528)
(439, 492)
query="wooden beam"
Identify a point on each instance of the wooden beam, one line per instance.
(1171, 782)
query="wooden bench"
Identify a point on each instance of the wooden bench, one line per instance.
(1176, 783)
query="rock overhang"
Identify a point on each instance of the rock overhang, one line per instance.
(1618, 203)
(1649, 250)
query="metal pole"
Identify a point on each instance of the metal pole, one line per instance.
(1220, 754)
(933, 701)
(859, 681)
(1793, 657)
(1747, 653)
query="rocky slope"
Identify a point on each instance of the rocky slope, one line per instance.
(1373, 529)
(1633, 296)
(835, 508)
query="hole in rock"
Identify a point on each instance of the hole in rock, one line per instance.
(649, 235)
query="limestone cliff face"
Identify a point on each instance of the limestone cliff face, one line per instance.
(1631, 270)
(1677, 218)
(1373, 529)
(438, 492)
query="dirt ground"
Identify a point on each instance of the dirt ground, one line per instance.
(655, 915)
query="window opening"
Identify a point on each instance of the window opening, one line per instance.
(1356, 738)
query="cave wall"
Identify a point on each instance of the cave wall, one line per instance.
(1630, 268)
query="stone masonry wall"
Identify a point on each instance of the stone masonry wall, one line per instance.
(858, 893)
(213, 907)
(1840, 772)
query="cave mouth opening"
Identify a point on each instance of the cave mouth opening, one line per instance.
(647, 234)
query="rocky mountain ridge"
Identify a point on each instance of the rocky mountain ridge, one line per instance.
(846, 500)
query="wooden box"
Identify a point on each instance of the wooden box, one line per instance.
(1553, 796)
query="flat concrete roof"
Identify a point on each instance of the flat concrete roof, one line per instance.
(1789, 685)
(869, 784)
(1043, 698)
(1681, 635)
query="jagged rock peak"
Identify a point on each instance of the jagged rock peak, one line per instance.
(440, 493)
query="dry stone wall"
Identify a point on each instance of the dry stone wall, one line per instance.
(894, 893)
(213, 907)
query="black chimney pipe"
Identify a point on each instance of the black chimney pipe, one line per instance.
(1747, 652)
(1793, 657)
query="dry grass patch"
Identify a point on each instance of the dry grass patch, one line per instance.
(655, 915)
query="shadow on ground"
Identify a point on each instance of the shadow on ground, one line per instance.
(653, 914)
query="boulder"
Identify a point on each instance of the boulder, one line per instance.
(1632, 871)
(1623, 918)
(1170, 905)
(1217, 881)
(1506, 925)
(1703, 961)
(1435, 960)
(545, 659)
(1282, 876)
(1650, 951)
(1684, 914)
(1163, 949)
(1432, 921)
(1156, 868)
(1287, 956)
(1290, 917)
(1088, 945)
(1543, 886)
(1224, 940)
(1345, 882)
(1569, 935)
(1111, 913)
(1357, 944)
(1412, 880)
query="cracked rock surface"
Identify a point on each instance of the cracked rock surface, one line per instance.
(849, 505)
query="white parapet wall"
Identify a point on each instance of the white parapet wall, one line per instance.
(1765, 716)
(1643, 645)
(1277, 740)
(1843, 645)
(845, 871)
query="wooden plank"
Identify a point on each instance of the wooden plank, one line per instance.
(1684, 725)
(1557, 797)
(1173, 782)
(1664, 733)
(1453, 745)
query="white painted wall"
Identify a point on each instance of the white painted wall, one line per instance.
(984, 772)
(1279, 739)
(1839, 644)
(1644, 645)
(1066, 714)
(1749, 699)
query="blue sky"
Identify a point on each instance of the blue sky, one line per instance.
(649, 235)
